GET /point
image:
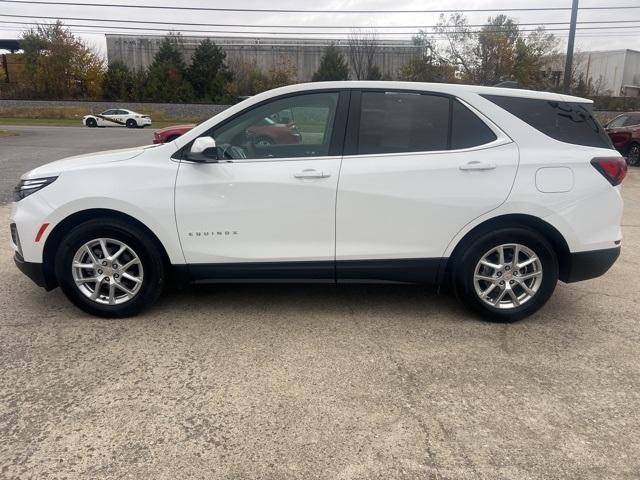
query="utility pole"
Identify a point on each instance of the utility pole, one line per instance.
(568, 65)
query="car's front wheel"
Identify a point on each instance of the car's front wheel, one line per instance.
(131, 123)
(110, 268)
(506, 275)
(91, 123)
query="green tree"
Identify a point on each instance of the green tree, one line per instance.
(495, 50)
(59, 65)
(118, 82)
(208, 72)
(333, 66)
(374, 73)
(429, 66)
(533, 53)
(167, 78)
(138, 85)
(423, 70)
(460, 44)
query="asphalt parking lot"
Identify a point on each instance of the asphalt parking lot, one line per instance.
(304, 382)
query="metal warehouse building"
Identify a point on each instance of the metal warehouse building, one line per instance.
(303, 54)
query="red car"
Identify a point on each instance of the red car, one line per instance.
(169, 134)
(624, 131)
(265, 132)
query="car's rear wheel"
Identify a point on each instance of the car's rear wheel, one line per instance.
(506, 275)
(633, 155)
(110, 268)
(131, 123)
(91, 123)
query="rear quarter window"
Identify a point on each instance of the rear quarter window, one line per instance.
(568, 122)
(467, 130)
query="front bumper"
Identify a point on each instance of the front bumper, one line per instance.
(591, 264)
(36, 272)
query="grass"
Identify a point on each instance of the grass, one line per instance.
(63, 122)
(72, 117)
(7, 133)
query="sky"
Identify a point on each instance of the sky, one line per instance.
(628, 37)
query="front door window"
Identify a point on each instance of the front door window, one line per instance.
(291, 127)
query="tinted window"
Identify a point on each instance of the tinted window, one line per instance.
(403, 122)
(618, 121)
(467, 130)
(565, 121)
(632, 120)
(297, 126)
(108, 112)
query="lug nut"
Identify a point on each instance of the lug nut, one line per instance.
(502, 283)
(507, 268)
(104, 264)
(99, 272)
(115, 275)
(115, 265)
(499, 274)
(106, 278)
(511, 282)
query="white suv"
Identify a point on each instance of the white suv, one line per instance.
(498, 192)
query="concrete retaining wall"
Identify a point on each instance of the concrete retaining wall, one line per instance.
(172, 111)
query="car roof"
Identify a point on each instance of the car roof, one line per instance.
(451, 88)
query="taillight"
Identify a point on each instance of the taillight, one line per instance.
(614, 169)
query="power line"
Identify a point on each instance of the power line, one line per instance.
(261, 32)
(249, 25)
(286, 35)
(334, 11)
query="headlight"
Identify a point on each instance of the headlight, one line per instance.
(27, 187)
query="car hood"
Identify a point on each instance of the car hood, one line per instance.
(85, 160)
(176, 127)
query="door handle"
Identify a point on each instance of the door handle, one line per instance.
(311, 173)
(475, 165)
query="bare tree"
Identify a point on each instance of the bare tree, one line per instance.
(362, 49)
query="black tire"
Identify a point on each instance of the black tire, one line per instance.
(91, 123)
(633, 155)
(146, 249)
(131, 123)
(465, 265)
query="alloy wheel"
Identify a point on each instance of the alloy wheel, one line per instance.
(107, 271)
(507, 276)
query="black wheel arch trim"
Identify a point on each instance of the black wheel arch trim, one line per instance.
(60, 229)
(516, 220)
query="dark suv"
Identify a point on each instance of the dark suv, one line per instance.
(624, 131)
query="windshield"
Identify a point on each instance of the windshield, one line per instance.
(624, 121)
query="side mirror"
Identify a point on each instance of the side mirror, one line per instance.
(203, 150)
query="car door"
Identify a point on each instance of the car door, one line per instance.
(266, 208)
(417, 168)
(121, 117)
(104, 119)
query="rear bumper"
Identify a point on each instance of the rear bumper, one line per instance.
(591, 264)
(36, 272)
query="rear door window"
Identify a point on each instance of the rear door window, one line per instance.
(569, 122)
(396, 122)
(402, 122)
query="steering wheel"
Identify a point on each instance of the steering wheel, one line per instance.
(231, 152)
